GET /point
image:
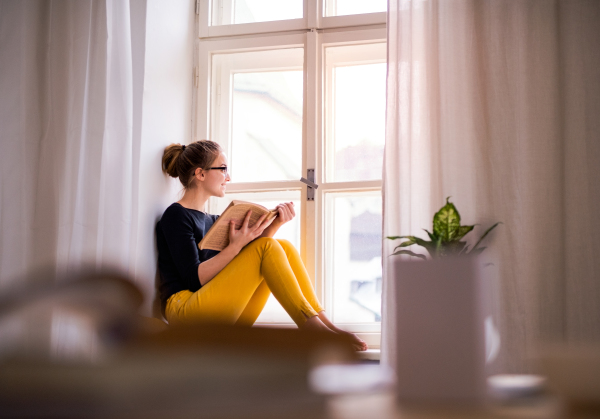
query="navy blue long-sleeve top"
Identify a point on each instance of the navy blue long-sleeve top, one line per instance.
(178, 233)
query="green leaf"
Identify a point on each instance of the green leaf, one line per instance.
(485, 234)
(421, 242)
(410, 238)
(463, 231)
(408, 252)
(418, 241)
(399, 237)
(433, 237)
(429, 246)
(446, 222)
(405, 244)
(436, 248)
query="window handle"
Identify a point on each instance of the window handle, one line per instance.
(310, 184)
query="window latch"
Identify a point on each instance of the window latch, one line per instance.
(310, 184)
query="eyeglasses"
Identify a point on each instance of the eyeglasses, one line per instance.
(221, 168)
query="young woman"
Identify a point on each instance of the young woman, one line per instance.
(231, 286)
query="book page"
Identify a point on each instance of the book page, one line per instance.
(238, 212)
(217, 238)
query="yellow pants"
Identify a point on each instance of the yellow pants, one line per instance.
(238, 293)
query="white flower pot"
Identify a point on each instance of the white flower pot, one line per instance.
(441, 310)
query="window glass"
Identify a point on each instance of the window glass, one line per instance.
(353, 7)
(353, 255)
(355, 112)
(258, 99)
(273, 312)
(267, 126)
(227, 12)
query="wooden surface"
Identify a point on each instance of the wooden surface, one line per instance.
(384, 406)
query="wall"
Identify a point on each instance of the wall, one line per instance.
(166, 117)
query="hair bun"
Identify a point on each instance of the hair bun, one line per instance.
(169, 159)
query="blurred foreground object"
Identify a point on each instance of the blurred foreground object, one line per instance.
(573, 372)
(442, 305)
(70, 316)
(516, 386)
(344, 379)
(112, 365)
(200, 372)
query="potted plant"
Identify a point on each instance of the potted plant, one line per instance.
(446, 238)
(442, 304)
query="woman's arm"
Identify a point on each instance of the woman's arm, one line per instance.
(237, 240)
(285, 213)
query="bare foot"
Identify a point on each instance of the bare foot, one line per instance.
(314, 323)
(358, 343)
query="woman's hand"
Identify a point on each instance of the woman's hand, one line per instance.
(240, 238)
(285, 213)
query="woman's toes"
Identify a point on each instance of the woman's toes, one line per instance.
(360, 344)
(360, 347)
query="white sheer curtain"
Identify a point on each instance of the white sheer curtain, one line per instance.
(496, 104)
(67, 158)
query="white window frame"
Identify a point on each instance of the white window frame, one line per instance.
(313, 19)
(314, 33)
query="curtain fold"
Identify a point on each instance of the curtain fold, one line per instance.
(67, 129)
(493, 104)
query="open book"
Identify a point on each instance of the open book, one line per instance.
(217, 238)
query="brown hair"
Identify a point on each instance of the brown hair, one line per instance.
(182, 160)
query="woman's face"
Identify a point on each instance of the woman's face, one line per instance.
(214, 181)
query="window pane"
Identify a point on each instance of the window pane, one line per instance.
(355, 112)
(273, 312)
(354, 7)
(267, 126)
(226, 12)
(258, 114)
(353, 255)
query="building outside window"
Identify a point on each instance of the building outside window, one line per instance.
(296, 89)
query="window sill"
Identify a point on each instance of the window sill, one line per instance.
(370, 355)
